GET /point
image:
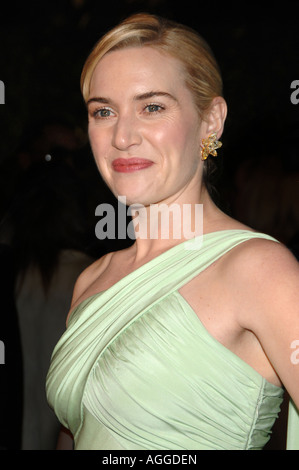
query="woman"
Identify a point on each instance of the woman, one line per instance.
(171, 345)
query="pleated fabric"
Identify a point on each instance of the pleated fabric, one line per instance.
(136, 369)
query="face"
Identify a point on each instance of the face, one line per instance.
(144, 129)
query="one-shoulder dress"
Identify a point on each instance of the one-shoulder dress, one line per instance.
(137, 370)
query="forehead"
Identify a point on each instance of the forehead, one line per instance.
(137, 67)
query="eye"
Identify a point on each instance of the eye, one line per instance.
(102, 113)
(153, 108)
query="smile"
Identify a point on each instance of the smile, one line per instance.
(129, 165)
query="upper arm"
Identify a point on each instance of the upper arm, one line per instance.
(270, 287)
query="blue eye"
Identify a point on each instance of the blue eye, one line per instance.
(102, 113)
(105, 112)
(153, 108)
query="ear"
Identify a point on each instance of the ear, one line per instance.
(215, 117)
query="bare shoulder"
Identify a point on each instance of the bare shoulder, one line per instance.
(263, 258)
(88, 277)
(265, 279)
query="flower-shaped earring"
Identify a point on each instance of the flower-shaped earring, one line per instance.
(209, 146)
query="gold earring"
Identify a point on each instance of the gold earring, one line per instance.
(209, 146)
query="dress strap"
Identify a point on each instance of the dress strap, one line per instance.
(173, 268)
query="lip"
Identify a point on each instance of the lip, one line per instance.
(129, 165)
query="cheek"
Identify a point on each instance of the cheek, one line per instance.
(99, 144)
(168, 137)
(95, 139)
(99, 151)
(180, 140)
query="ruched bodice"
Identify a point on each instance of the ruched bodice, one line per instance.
(136, 369)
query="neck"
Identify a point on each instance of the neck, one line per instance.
(159, 227)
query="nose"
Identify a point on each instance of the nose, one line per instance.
(126, 132)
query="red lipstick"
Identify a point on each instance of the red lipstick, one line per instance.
(129, 165)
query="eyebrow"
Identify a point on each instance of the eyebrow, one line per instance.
(151, 94)
(140, 97)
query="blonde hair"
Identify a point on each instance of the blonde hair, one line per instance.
(203, 77)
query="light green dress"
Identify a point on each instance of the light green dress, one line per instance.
(136, 369)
